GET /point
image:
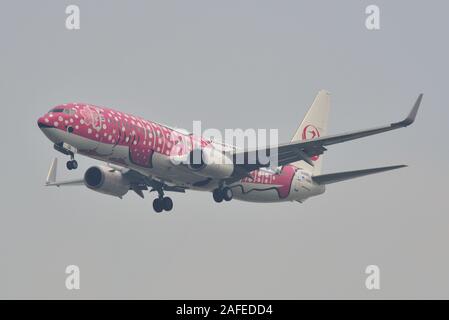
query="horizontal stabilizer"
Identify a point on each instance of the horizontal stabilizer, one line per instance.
(342, 176)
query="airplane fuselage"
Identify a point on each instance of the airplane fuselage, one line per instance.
(148, 148)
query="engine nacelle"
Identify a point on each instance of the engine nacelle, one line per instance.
(106, 180)
(210, 163)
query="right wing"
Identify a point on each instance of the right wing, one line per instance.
(247, 161)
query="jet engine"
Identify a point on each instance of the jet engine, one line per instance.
(106, 180)
(210, 163)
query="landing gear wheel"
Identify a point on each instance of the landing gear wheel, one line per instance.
(157, 205)
(167, 203)
(227, 194)
(72, 164)
(218, 195)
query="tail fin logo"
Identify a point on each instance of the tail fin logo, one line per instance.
(310, 132)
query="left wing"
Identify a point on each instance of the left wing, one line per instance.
(51, 177)
(306, 149)
(137, 181)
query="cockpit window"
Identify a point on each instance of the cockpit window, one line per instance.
(66, 111)
(69, 111)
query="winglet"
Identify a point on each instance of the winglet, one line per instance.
(412, 115)
(51, 177)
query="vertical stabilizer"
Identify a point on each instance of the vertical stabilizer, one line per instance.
(314, 126)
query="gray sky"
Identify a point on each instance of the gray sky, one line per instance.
(231, 64)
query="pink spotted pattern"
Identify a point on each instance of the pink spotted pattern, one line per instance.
(144, 138)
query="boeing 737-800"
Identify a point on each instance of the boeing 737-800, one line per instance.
(139, 155)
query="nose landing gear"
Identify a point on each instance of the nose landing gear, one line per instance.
(72, 164)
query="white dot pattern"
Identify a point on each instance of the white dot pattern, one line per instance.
(144, 136)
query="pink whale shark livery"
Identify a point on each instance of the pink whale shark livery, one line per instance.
(139, 155)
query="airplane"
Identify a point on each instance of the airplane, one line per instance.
(138, 155)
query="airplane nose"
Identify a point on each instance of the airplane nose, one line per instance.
(43, 122)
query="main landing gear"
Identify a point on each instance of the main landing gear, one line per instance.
(221, 194)
(162, 203)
